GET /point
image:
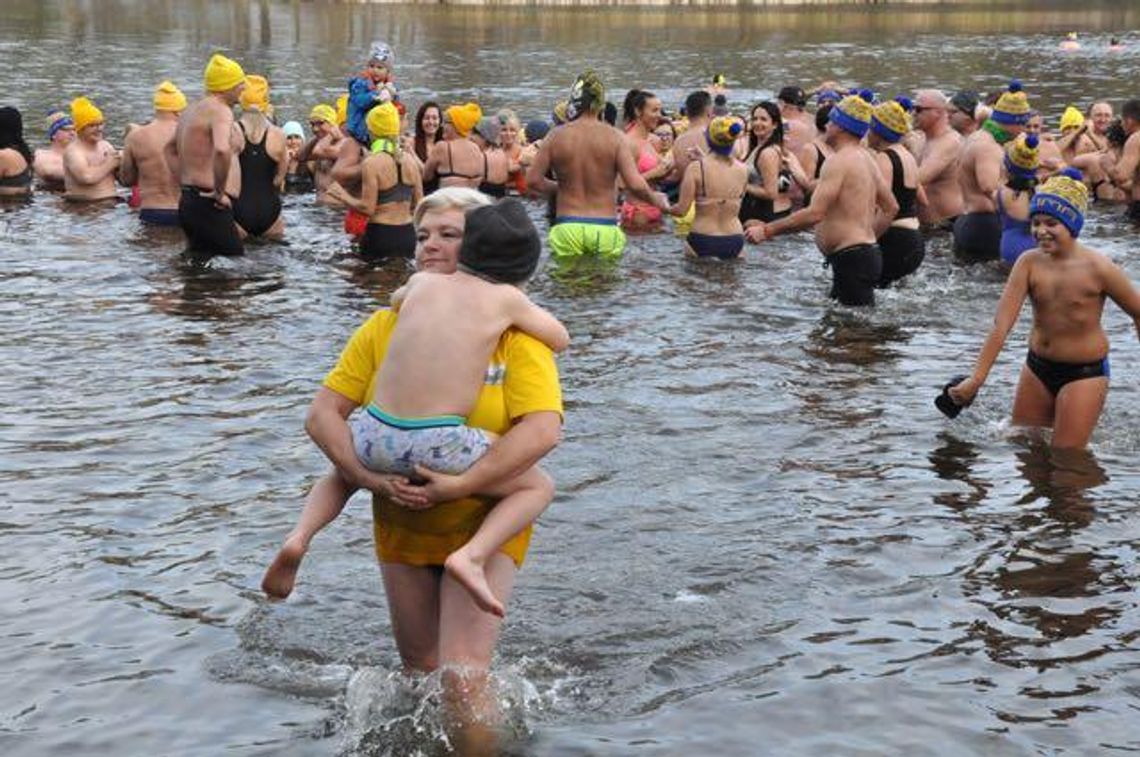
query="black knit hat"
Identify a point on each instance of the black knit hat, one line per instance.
(793, 95)
(500, 243)
(965, 101)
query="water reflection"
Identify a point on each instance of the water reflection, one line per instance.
(214, 289)
(954, 460)
(1043, 582)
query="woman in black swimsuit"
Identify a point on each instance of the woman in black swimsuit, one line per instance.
(15, 156)
(264, 161)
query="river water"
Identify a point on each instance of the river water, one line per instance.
(766, 540)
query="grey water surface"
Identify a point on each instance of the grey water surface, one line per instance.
(766, 539)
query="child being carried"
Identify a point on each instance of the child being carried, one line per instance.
(429, 381)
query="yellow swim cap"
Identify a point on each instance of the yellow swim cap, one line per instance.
(323, 112)
(342, 110)
(255, 96)
(222, 74)
(1071, 119)
(84, 113)
(464, 117)
(384, 121)
(168, 97)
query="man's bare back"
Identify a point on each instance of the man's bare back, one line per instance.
(207, 145)
(145, 164)
(979, 173)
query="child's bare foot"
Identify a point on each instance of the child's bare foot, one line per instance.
(282, 574)
(471, 576)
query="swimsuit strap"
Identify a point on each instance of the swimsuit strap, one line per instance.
(819, 158)
(704, 185)
(485, 169)
(897, 184)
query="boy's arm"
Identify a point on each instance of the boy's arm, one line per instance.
(537, 322)
(1008, 309)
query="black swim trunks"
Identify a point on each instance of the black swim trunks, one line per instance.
(977, 236)
(209, 227)
(159, 216)
(903, 251)
(1134, 211)
(382, 241)
(855, 271)
(1054, 375)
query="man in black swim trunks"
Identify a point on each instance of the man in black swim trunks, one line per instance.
(843, 206)
(1125, 173)
(977, 232)
(206, 143)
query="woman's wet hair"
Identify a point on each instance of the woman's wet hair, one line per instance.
(634, 103)
(1115, 133)
(421, 136)
(450, 198)
(12, 133)
(609, 113)
(777, 135)
(821, 116)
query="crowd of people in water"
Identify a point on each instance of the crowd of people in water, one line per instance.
(874, 177)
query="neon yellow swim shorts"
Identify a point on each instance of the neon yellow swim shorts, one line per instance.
(575, 237)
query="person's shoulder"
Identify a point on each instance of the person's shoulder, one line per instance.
(1098, 260)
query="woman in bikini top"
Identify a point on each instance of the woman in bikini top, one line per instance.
(456, 161)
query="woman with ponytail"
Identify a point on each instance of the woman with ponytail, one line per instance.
(642, 114)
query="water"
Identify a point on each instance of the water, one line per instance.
(766, 540)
